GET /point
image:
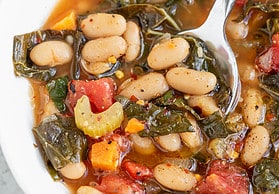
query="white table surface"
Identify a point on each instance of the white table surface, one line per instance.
(8, 184)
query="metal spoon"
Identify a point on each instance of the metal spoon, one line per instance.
(213, 33)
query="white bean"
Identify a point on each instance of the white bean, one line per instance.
(52, 53)
(88, 190)
(193, 140)
(146, 87)
(174, 177)
(205, 104)
(166, 54)
(96, 67)
(170, 142)
(103, 25)
(191, 81)
(237, 30)
(248, 74)
(132, 37)
(253, 107)
(255, 146)
(73, 170)
(142, 145)
(101, 49)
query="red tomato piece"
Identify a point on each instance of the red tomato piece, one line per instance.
(275, 40)
(137, 171)
(240, 3)
(224, 178)
(115, 184)
(100, 93)
(268, 61)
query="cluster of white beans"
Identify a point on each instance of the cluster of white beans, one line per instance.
(257, 141)
(110, 37)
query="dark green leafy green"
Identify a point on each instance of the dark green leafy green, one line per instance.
(200, 58)
(152, 18)
(264, 7)
(23, 65)
(61, 141)
(271, 119)
(266, 176)
(58, 89)
(214, 126)
(270, 83)
(263, 34)
(23, 44)
(173, 100)
(78, 43)
(158, 120)
(274, 136)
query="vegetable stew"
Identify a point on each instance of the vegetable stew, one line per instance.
(122, 104)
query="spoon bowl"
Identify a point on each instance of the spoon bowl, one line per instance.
(212, 31)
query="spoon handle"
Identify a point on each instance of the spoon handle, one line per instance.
(229, 6)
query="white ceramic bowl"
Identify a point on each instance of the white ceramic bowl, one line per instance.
(17, 142)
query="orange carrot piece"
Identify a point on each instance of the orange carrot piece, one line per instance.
(67, 23)
(134, 126)
(104, 155)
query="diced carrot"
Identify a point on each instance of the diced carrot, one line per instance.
(67, 23)
(134, 126)
(104, 155)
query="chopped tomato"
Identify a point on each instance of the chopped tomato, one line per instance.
(275, 40)
(137, 171)
(100, 93)
(224, 178)
(115, 184)
(268, 61)
(240, 3)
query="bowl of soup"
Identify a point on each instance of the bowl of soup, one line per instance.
(107, 97)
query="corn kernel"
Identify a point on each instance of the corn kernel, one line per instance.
(112, 59)
(234, 155)
(140, 102)
(198, 177)
(119, 74)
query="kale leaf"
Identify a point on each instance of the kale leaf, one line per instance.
(58, 89)
(61, 141)
(158, 120)
(270, 83)
(266, 175)
(215, 126)
(152, 18)
(175, 100)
